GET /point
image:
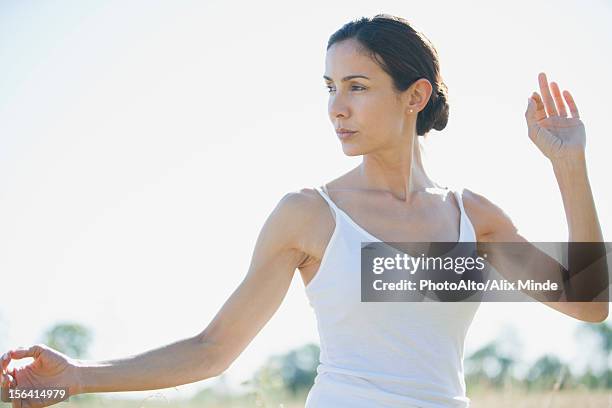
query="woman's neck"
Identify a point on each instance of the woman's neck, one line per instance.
(400, 173)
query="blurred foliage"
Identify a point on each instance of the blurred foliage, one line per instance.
(69, 338)
(285, 377)
(493, 367)
(546, 373)
(598, 375)
(489, 366)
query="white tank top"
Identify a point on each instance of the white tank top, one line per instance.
(383, 354)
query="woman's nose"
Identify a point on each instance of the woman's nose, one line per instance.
(338, 107)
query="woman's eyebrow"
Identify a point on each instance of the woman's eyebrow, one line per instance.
(346, 78)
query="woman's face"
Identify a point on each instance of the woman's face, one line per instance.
(369, 105)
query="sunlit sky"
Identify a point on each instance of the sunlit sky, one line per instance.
(144, 143)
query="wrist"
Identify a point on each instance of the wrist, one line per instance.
(570, 166)
(575, 159)
(82, 373)
(76, 387)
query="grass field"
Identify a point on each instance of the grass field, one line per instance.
(553, 399)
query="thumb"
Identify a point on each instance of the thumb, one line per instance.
(530, 112)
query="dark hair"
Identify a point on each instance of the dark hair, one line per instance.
(407, 55)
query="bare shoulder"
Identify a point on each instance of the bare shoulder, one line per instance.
(301, 212)
(305, 204)
(486, 216)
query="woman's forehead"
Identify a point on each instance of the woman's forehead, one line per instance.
(344, 59)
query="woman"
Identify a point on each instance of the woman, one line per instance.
(385, 90)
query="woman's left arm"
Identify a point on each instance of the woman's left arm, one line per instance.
(562, 140)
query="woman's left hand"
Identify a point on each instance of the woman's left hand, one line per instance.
(556, 135)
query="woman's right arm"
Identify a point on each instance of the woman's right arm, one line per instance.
(248, 309)
(275, 258)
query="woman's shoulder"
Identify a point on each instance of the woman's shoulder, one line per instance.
(306, 206)
(296, 221)
(309, 219)
(303, 202)
(484, 214)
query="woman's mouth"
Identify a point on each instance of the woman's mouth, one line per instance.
(343, 135)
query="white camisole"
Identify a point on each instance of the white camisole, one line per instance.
(383, 354)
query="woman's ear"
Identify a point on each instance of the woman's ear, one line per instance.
(417, 95)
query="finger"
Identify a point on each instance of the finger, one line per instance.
(23, 352)
(5, 361)
(531, 111)
(6, 379)
(10, 381)
(571, 104)
(558, 99)
(540, 113)
(6, 383)
(549, 103)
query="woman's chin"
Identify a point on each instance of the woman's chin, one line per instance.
(351, 150)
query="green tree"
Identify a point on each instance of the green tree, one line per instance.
(599, 372)
(603, 332)
(547, 372)
(287, 376)
(69, 338)
(489, 365)
(299, 368)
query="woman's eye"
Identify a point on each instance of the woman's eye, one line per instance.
(330, 89)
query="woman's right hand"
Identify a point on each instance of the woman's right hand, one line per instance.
(50, 369)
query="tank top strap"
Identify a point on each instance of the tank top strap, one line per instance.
(323, 192)
(459, 196)
(467, 231)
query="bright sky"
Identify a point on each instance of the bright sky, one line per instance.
(144, 143)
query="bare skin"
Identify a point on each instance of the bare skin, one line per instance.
(434, 215)
(389, 194)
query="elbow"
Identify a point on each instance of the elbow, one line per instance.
(212, 358)
(218, 368)
(215, 372)
(595, 312)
